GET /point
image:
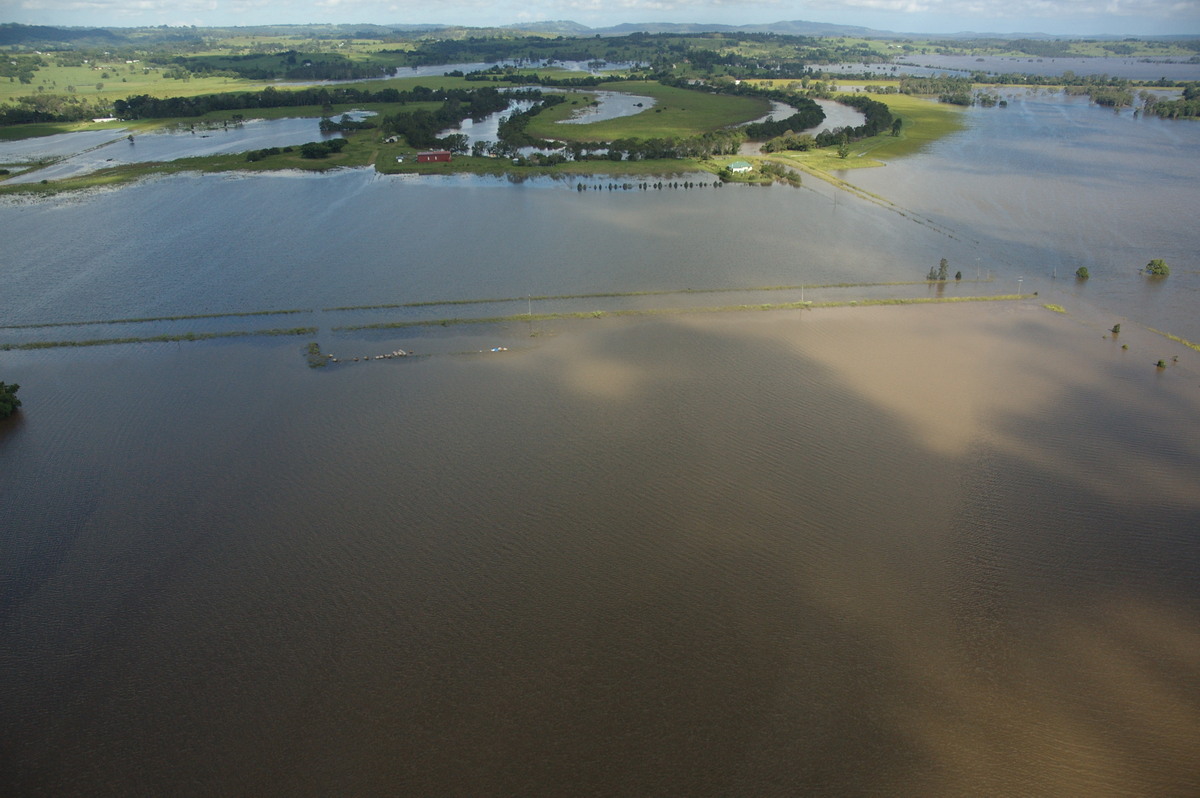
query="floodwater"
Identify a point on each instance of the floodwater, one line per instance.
(610, 105)
(1052, 183)
(1129, 68)
(859, 551)
(32, 150)
(115, 147)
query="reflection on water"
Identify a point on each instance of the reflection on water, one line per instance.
(701, 556)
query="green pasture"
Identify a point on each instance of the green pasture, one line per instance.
(89, 83)
(924, 121)
(676, 113)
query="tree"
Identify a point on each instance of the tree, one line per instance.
(1158, 268)
(943, 271)
(844, 146)
(1082, 273)
(896, 125)
(8, 399)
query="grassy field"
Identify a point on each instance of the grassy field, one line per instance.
(676, 113)
(116, 81)
(925, 121)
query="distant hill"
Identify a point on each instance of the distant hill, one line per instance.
(792, 28)
(562, 27)
(31, 35)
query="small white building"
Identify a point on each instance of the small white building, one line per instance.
(738, 167)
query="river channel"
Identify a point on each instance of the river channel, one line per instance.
(904, 551)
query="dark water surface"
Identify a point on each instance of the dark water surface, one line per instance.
(907, 551)
(903, 551)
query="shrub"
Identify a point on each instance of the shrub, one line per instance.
(1158, 268)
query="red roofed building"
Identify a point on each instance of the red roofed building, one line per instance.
(433, 155)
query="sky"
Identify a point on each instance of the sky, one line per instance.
(1058, 17)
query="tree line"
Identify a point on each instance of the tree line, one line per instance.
(1187, 107)
(143, 106)
(287, 65)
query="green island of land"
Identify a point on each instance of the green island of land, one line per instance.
(702, 99)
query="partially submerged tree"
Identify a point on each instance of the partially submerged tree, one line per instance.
(1158, 268)
(1082, 273)
(8, 399)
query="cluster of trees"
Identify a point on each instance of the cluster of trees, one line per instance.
(258, 155)
(287, 65)
(706, 54)
(939, 85)
(144, 106)
(1187, 107)
(956, 98)
(800, 142)
(780, 172)
(878, 118)
(50, 108)
(8, 399)
(1157, 268)
(1119, 96)
(511, 129)
(420, 128)
(21, 67)
(322, 149)
(808, 115)
(941, 272)
(344, 124)
(514, 75)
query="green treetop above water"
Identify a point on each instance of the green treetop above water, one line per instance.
(8, 399)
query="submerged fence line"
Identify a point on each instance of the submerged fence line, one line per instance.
(598, 314)
(157, 339)
(517, 317)
(146, 319)
(631, 294)
(484, 301)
